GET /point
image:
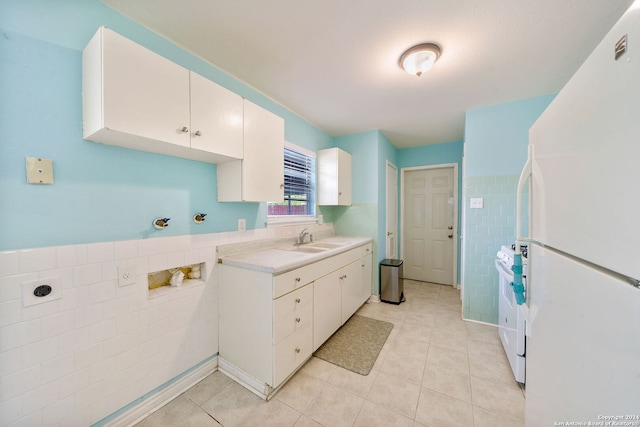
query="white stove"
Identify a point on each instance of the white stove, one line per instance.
(511, 320)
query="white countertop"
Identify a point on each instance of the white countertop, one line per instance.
(281, 260)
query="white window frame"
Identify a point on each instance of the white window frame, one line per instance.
(296, 219)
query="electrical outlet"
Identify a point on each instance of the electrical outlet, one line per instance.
(242, 224)
(41, 290)
(126, 275)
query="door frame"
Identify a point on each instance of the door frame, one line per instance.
(387, 164)
(454, 166)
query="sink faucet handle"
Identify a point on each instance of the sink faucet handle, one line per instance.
(301, 235)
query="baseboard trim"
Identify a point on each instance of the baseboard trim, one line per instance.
(160, 397)
(480, 322)
(248, 381)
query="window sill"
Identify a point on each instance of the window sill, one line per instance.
(278, 221)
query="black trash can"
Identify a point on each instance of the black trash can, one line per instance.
(391, 285)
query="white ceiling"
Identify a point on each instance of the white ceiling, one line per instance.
(334, 62)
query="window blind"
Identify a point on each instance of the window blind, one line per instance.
(299, 185)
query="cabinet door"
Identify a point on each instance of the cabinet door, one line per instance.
(365, 290)
(263, 163)
(344, 178)
(334, 177)
(351, 285)
(327, 312)
(144, 94)
(216, 118)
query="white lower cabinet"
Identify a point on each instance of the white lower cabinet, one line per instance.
(271, 324)
(351, 286)
(327, 307)
(366, 263)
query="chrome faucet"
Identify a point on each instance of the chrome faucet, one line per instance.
(303, 233)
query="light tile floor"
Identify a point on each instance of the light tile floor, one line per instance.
(434, 370)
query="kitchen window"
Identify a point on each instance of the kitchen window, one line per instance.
(299, 203)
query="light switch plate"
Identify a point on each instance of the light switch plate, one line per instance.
(477, 203)
(39, 170)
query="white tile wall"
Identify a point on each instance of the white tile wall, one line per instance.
(76, 360)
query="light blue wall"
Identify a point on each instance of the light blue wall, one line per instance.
(100, 193)
(496, 140)
(436, 154)
(496, 137)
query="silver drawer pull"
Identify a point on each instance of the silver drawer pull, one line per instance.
(297, 320)
(298, 350)
(184, 129)
(297, 279)
(297, 300)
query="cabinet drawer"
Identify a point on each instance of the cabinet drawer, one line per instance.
(290, 353)
(366, 249)
(292, 301)
(290, 322)
(293, 279)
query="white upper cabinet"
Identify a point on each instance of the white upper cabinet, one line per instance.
(135, 98)
(216, 118)
(259, 176)
(334, 177)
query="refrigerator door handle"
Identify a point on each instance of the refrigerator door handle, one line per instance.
(524, 176)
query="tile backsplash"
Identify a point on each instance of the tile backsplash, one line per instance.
(486, 230)
(75, 360)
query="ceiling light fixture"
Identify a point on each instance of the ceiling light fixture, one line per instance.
(419, 58)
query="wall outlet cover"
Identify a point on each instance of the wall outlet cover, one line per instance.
(126, 274)
(39, 171)
(242, 224)
(41, 291)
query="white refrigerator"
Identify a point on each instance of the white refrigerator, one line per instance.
(583, 297)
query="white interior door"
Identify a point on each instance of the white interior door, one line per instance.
(428, 225)
(392, 211)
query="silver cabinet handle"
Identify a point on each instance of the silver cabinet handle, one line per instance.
(297, 320)
(297, 279)
(297, 300)
(184, 129)
(198, 133)
(298, 350)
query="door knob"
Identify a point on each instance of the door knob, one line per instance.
(450, 236)
(450, 227)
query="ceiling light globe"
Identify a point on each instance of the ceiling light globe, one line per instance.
(418, 59)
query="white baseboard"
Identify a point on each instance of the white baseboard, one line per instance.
(151, 404)
(248, 381)
(374, 298)
(480, 322)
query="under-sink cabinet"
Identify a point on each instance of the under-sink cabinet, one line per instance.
(135, 98)
(270, 324)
